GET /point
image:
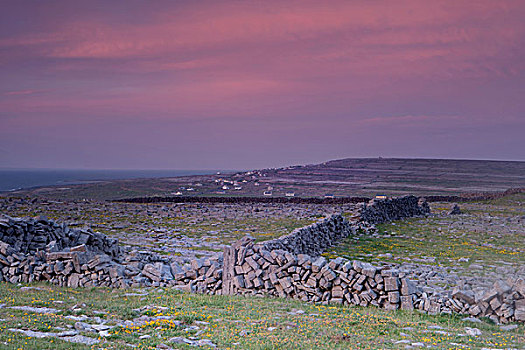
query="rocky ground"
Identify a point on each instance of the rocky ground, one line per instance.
(183, 230)
(482, 244)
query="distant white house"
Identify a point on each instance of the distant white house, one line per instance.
(237, 188)
(225, 187)
(256, 184)
(267, 193)
(178, 193)
(329, 195)
(190, 189)
(381, 196)
(289, 194)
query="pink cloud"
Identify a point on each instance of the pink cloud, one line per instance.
(20, 92)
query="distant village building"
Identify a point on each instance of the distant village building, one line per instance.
(178, 193)
(256, 184)
(225, 187)
(267, 193)
(289, 194)
(329, 195)
(237, 188)
(381, 196)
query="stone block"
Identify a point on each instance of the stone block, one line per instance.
(337, 292)
(408, 287)
(464, 295)
(407, 302)
(368, 270)
(318, 264)
(238, 281)
(495, 303)
(393, 297)
(389, 306)
(391, 284)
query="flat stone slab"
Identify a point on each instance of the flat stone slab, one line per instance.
(66, 336)
(40, 310)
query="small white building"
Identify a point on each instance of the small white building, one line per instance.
(237, 188)
(289, 194)
(225, 187)
(178, 193)
(329, 195)
(267, 193)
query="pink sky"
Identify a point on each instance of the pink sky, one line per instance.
(250, 84)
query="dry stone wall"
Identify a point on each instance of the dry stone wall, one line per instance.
(312, 239)
(257, 271)
(290, 266)
(250, 269)
(390, 209)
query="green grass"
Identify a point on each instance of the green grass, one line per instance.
(478, 236)
(237, 322)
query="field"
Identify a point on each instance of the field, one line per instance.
(483, 244)
(230, 322)
(486, 240)
(344, 177)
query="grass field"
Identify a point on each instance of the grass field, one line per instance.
(232, 322)
(490, 234)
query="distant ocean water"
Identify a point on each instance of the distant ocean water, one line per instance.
(14, 179)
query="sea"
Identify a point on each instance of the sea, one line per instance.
(15, 179)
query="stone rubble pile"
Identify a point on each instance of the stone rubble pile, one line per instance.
(42, 250)
(30, 236)
(504, 302)
(390, 209)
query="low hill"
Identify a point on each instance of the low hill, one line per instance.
(343, 177)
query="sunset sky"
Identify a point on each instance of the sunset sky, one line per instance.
(252, 84)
